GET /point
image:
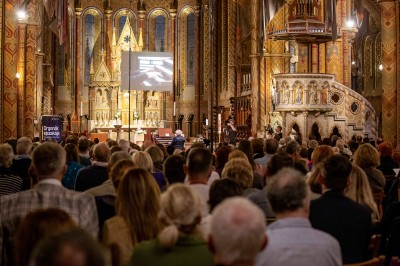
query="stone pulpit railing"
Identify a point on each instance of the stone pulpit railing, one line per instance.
(318, 100)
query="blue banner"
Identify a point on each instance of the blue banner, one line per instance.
(52, 127)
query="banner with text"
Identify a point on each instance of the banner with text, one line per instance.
(51, 127)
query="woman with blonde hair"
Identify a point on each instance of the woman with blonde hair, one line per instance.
(367, 157)
(240, 171)
(312, 180)
(180, 242)
(142, 159)
(137, 206)
(359, 190)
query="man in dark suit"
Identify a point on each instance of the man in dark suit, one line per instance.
(346, 220)
(94, 175)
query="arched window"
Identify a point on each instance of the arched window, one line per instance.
(89, 44)
(160, 39)
(121, 24)
(191, 37)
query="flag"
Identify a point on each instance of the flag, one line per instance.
(270, 8)
(330, 18)
(267, 9)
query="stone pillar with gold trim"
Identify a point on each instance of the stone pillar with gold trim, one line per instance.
(197, 64)
(255, 69)
(109, 31)
(172, 12)
(21, 69)
(389, 72)
(78, 59)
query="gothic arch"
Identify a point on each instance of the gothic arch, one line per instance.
(119, 22)
(152, 29)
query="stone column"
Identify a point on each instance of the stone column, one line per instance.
(389, 79)
(256, 112)
(21, 70)
(197, 64)
(108, 13)
(78, 58)
(173, 50)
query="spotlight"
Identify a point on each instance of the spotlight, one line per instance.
(21, 15)
(350, 23)
(17, 75)
(380, 67)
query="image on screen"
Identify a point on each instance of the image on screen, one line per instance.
(148, 71)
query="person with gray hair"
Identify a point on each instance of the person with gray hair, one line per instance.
(9, 181)
(179, 242)
(97, 173)
(49, 165)
(289, 197)
(124, 144)
(237, 232)
(22, 161)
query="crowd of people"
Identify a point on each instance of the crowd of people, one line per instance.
(268, 201)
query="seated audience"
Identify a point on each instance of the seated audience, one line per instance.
(36, 226)
(387, 163)
(49, 165)
(137, 206)
(157, 157)
(73, 166)
(143, 160)
(236, 232)
(105, 203)
(198, 168)
(271, 147)
(246, 147)
(289, 197)
(221, 157)
(173, 169)
(319, 154)
(348, 221)
(69, 248)
(84, 148)
(180, 241)
(9, 182)
(312, 180)
(360, 191)
(22, 161)
(108, 188)
(367, 157)
(95, 174)
(240, 171)
(222, 189)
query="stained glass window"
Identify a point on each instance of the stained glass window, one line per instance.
(191, 37)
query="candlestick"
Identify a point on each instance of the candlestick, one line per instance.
(81, 108)
(174, 108)
(219, 124)
(206, 122)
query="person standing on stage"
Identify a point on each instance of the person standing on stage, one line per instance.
(231, 132)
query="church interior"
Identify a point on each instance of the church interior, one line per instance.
(313, 67)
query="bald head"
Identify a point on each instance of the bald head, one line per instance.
(237, 231)
(101, 152)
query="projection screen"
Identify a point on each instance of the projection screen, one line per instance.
(148, 71)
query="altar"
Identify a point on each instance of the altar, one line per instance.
(137, 132)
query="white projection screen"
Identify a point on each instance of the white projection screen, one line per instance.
(149, 71)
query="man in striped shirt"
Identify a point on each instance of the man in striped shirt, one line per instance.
(9, 182)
